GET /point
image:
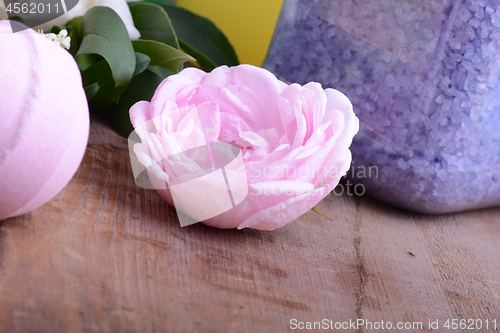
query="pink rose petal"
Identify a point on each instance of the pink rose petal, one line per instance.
(294, 142)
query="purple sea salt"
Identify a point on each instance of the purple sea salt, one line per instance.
(424, 79)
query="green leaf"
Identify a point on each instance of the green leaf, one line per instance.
(141, 88)
(74, 28)
(18, 19)
(200, 38)
(76, 23)
(84, 61)
(99, 86)
(161, 54)
(153, 23)
(108, 94)
(54, 30)
(91, 90)
(159, 2)
(98, 72)
(105, 34)
(141, 63)
(74, 44)
(163, 73)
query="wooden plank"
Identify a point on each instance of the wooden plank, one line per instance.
(105, 255)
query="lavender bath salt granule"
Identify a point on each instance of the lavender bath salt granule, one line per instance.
(423, 77)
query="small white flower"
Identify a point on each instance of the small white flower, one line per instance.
(61, 39)
(119, 6)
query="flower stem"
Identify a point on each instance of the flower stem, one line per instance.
(314, 209)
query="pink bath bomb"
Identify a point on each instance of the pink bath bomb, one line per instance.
(44, 120)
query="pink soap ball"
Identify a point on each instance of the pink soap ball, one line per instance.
(44, 123)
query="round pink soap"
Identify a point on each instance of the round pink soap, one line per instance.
(44, 120)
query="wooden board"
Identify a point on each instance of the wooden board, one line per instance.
(107, 256)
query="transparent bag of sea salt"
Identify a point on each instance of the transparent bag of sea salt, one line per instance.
(423, 77)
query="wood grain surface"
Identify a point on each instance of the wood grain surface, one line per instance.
(107, 256)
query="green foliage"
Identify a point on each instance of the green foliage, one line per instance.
(200, 38)
(162, 55)
(74, 28)
(160, 2)
(54, 30)
(117, 73)
(18, 19)
(141, 88)
(154, 24)
(105, 34)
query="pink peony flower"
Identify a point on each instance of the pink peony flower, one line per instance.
(294, 140)
(45, 120)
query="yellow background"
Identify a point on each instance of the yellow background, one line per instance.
(248, 24)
